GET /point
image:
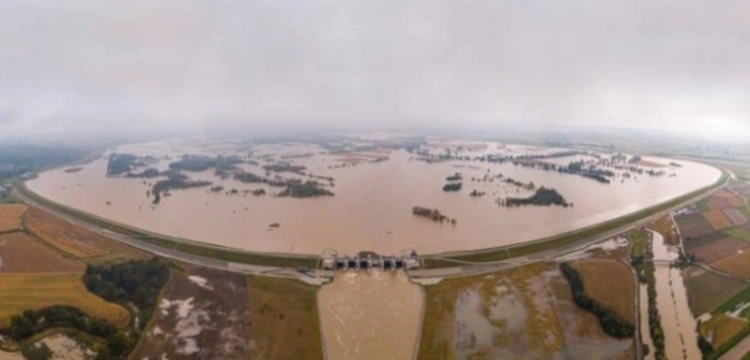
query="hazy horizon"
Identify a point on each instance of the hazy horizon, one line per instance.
(121, 67)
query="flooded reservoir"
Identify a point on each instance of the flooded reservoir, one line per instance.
(677, 321)
(369, 315)
(386, 182)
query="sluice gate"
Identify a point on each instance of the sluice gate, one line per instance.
(330, 260)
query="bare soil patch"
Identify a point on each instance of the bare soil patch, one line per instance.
(720, 249)
(717, 203)
(19, 253)
(706, 289)
(733, 199)
(695, 229)
(691, 218)
(203, 313)
(735, 216)
(9, 224)
(609, 283)
(717, 219)
(12, 210)
(9, 216)
(695, 243)
(77, 241)
(738, 264)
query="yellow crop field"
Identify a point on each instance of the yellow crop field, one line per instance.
(62, 235)
(19, 292)
(9, 214)
(609, 283)
(723, 327)
(20, 253)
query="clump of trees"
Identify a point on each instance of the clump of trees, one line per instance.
(306, 190)
(285, 167)
(202, 163)
(36, 352)
(454, 177)
(248, 177)
(175, 180)
(452, 187)
(119, 164)
(136, 282)
(705, 346)
(432, 214)
(542, 197)
(608, 320)
(476, 193)
(149, 173)
(30, 322)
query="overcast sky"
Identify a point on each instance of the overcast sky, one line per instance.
(67, 66)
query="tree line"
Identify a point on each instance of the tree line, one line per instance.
(608, 319)
(136, 282)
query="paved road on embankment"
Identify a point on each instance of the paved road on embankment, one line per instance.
(161, 251)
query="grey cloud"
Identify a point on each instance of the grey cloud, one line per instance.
(66, 65)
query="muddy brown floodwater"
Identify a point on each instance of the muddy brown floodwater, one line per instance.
(645, 328)
(370, 315)
(677, 321)
(372, 206)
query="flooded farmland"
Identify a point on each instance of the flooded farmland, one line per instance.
(386, 182)
(369, 315)
(677, 321)
(522, 313)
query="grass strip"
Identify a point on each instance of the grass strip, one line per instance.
(721, 350)
(732, 303)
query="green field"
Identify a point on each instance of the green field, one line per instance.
(739, 233)
(639, 239)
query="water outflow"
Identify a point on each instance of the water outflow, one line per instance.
(370, 314)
